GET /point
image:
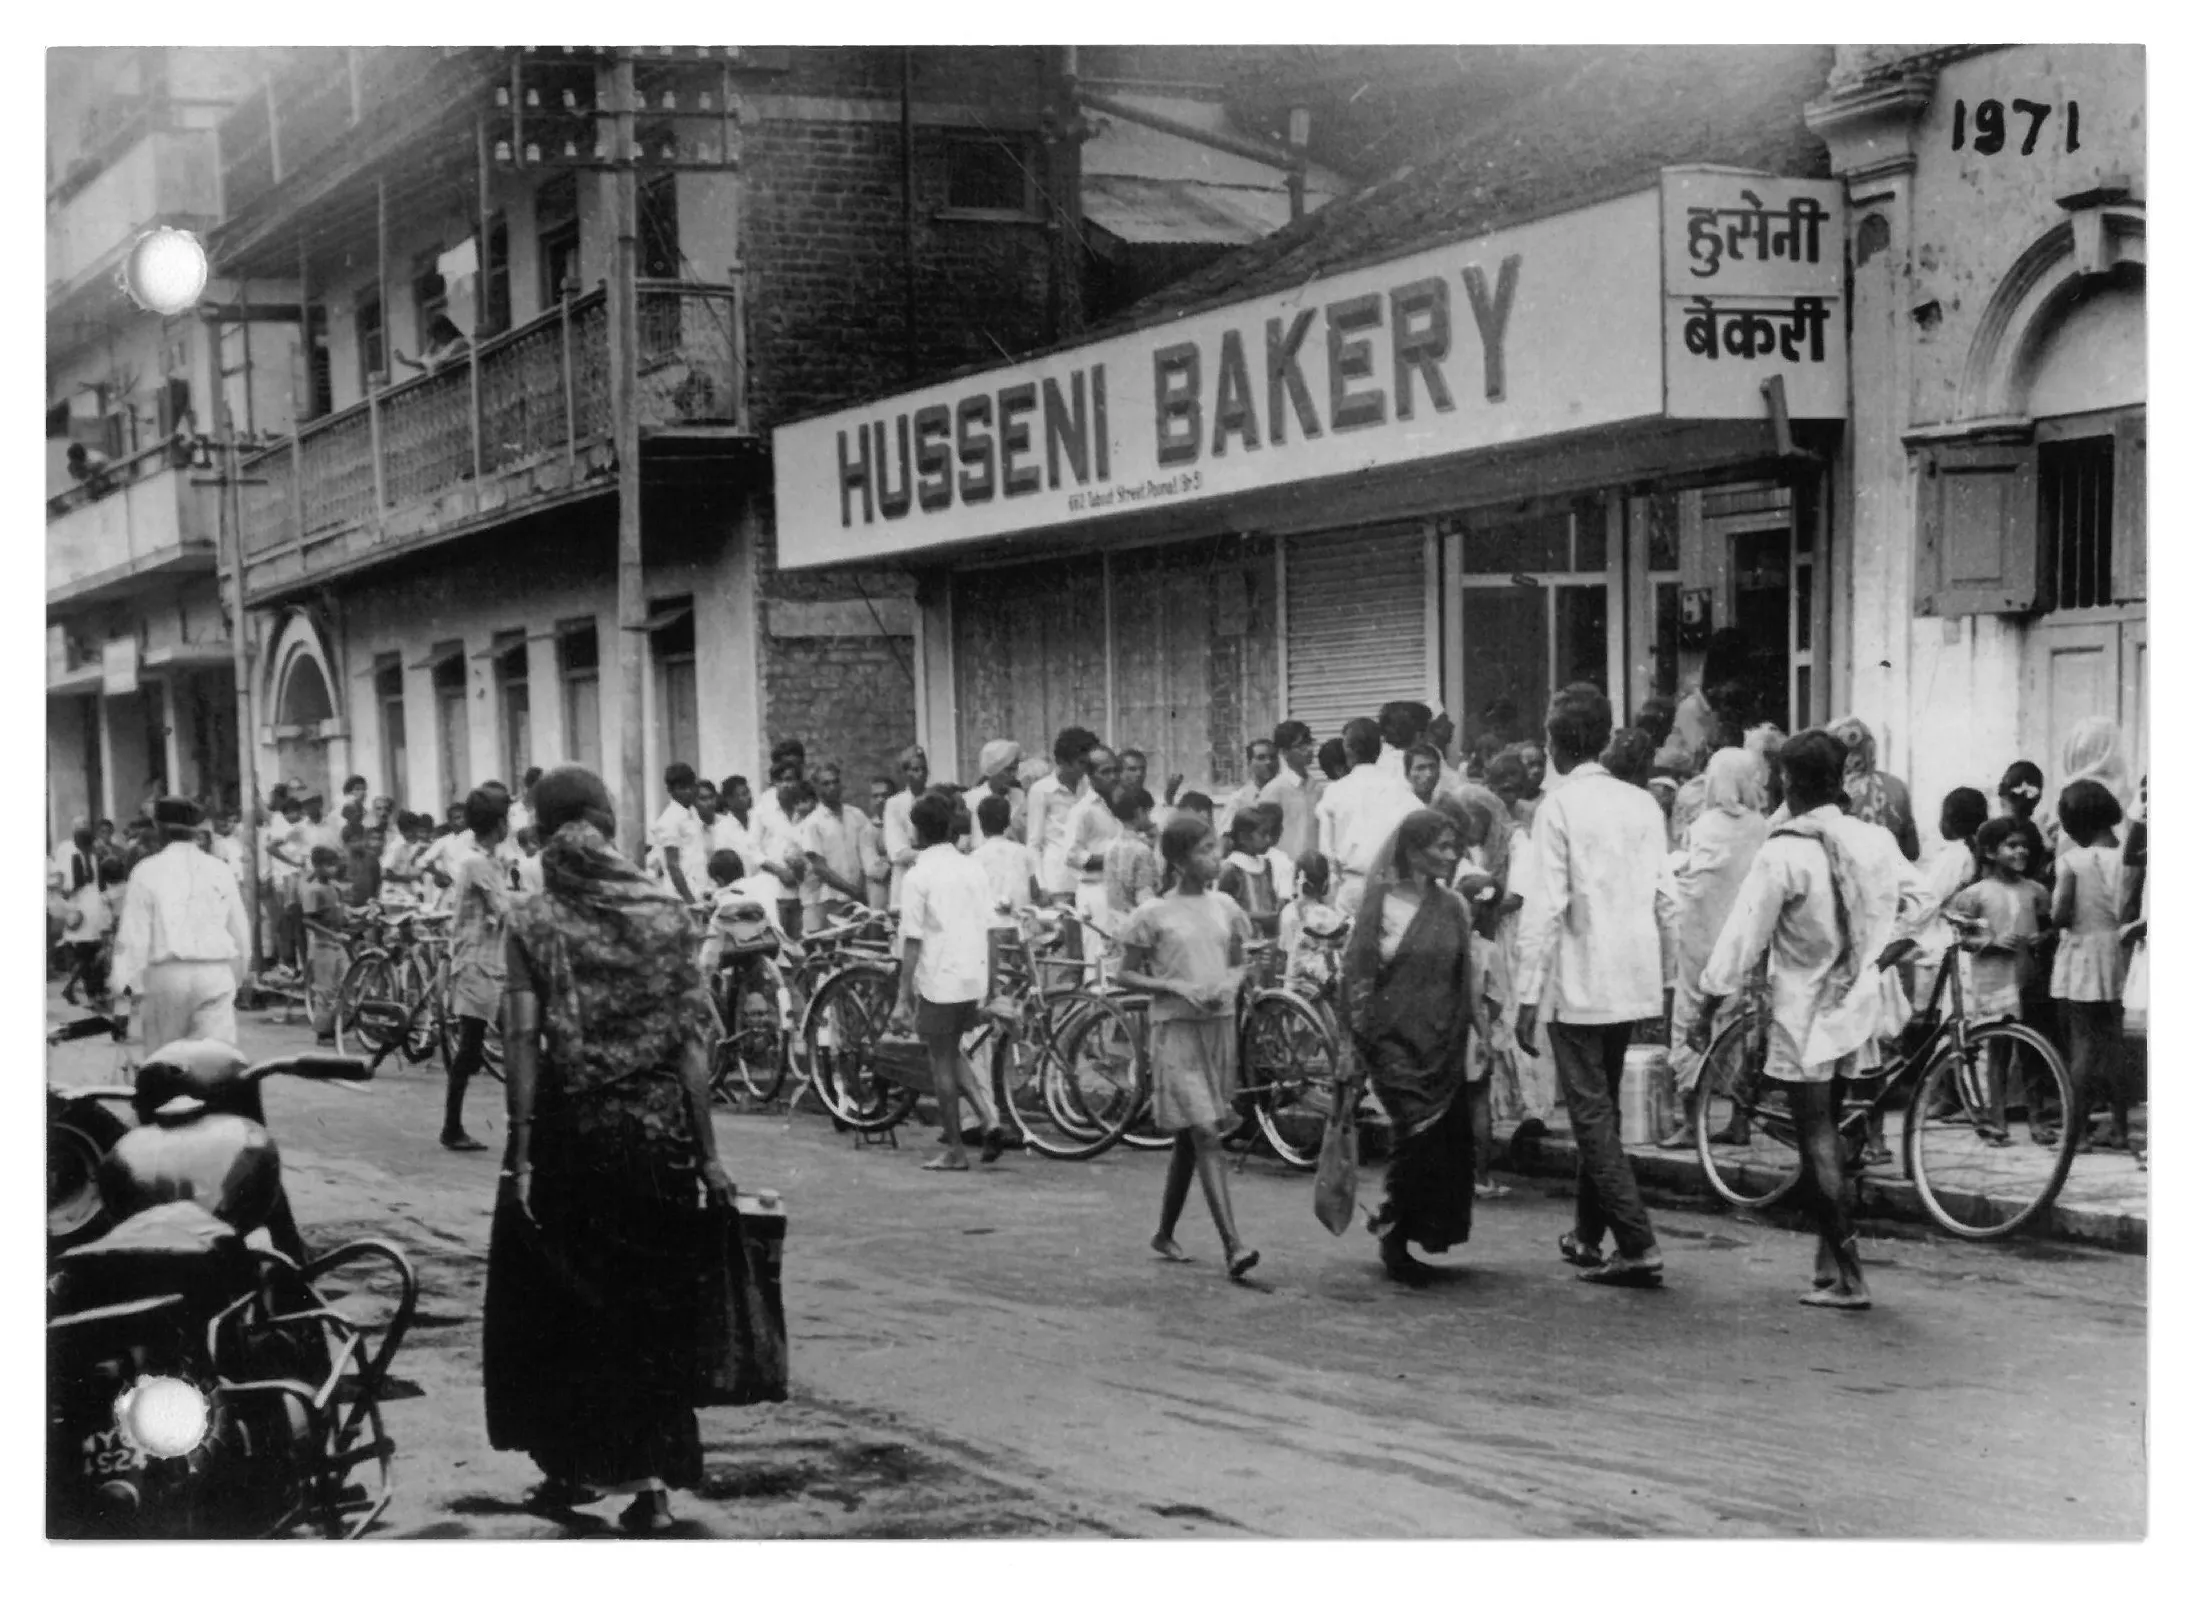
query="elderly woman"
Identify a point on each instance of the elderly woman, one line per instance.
(1876, 797)
(600, 1260)
(1723, 839)
(1406, 991)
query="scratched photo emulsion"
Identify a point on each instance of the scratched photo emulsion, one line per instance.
(1228, 792)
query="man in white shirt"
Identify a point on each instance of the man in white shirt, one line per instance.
(679, 836)
(1050, 800)
(1263, 767)
(184, 944)
(1294, 790)
(787, 763)
(1091, 827)
(1000, 767)
(1591, 963)
(831, 837)
(899, 846)
(1358, 813)
(1823, 897)
(944, 971)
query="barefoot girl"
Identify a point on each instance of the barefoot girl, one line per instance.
(1185, 947)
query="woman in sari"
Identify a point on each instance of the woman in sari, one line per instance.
(1481, 879)
(1876, 797)
(1405, 988)
(601, 1255)
(1722, 841)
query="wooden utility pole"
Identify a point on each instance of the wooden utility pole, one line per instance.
(230, 556)
(624, 383)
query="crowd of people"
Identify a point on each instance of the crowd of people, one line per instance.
(1514, 922)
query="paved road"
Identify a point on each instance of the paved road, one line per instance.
(998, 1354)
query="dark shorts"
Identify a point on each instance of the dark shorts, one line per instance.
(946, 1021)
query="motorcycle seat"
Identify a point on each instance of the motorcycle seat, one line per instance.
(158, 1251)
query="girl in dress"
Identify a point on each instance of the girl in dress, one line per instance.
(1246, 877)
(1186, 948)
(2088, 979)
(2015, 910)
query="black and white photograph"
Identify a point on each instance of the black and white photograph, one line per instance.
(1189, 791)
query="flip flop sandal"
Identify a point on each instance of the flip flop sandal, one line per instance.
(1622, 1278)
(944, 1164)
(555, 1498)
(648, 1515)
(1577, 1254)
(1834, 1302)
(1238, 1264)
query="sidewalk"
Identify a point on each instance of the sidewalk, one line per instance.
(2103, 1202)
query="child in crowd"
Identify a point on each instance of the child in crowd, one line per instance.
(530, 878)
(1131, 872)
(1246, 876)
(1947, 873)
(2020, 792)
(1195, 804)
(2087, 982)
(322, 899)
(1009, 867)
(1186, 949)
(944, 972)
(738, 907)
(2014, 908)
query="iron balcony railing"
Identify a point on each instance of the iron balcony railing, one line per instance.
(485, 426)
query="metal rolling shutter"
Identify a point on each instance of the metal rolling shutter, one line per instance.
(1355, 625)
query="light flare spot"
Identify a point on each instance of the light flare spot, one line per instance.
(166, 271)
(163, 1417)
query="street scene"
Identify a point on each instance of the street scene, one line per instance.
(1143, 792)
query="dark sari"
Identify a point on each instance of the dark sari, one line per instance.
(593, 1349)
(1409, 1018)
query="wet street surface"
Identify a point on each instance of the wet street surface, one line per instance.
(997, 1353)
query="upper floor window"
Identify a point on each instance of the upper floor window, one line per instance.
(989, 175)
(495, 278)
(2078, 496)
(429, 291)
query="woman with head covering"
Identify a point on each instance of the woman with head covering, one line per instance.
(2094, 752)
(1487, 833)
(1723, 839)
(1406, 993)
(1876, 797)
(599, 1265)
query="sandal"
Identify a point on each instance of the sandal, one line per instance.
(1836, 1300)
(1493, 1191)
(946, 1164)
(1575, 1252)
(1238, 1264)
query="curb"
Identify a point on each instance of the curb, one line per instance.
(1875, 1199)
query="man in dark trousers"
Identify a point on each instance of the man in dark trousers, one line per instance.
(1591, 965)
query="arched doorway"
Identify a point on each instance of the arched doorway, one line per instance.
(303, 705)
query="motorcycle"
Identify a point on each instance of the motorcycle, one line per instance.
(201, 1381)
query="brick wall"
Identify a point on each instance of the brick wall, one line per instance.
(849, 699)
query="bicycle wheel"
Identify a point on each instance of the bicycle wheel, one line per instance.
(844, 1031)
(426, 1025)
(1093, 1077)
(1747, 1135)
(370, 1012)
(1141, 1132)
(755, 1032)
(1976, 1188)
(1290, 1070)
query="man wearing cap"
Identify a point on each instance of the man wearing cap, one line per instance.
(183, 945)
(1000, 767)
(898, 817)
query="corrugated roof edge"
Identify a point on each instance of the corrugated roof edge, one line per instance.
(1259, 270)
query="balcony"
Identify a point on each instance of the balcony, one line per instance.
(141, 519)
(420, 462)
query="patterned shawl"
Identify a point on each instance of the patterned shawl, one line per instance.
(612, 955)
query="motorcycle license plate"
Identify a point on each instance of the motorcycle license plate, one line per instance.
(108, 1453)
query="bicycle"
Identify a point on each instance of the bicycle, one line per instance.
(1291, 1045)
(1747, 1135)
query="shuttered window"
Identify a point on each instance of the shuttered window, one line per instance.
(1027, 654)
(1356, 634)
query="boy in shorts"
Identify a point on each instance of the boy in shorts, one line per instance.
(944, 970)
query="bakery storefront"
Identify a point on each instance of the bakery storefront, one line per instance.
(1568, 449)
